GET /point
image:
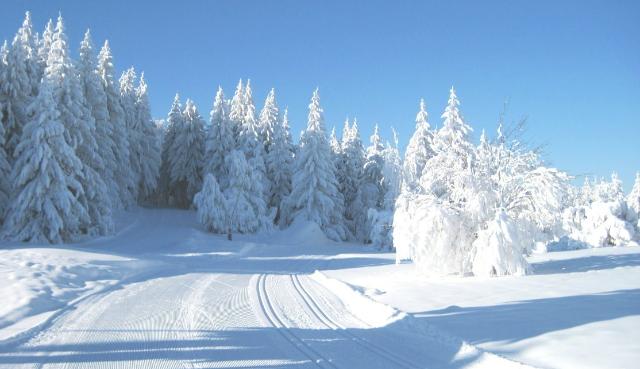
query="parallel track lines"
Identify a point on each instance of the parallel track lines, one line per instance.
(337, 327)
(273, 318)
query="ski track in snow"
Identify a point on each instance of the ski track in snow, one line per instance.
(203, 302)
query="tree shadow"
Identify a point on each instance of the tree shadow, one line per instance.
(521, 320)
(586, 264)
(253, 348)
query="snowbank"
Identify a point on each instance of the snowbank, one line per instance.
(39, 280)
(369, 311)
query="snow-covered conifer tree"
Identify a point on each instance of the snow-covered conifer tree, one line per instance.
(46, 206)
(172, 126)
(315, 196)
(250, 144)
(236, 111)
(448, 174)
(212, 206)
(124, 177)
(219, 141)
(279, 161)
(76, 116)
(45, 45)
(5, 169)
(20, 83)
(149, 156)
(419, 150)
(188, 151)
(134, 129)
(96, 100)
(352, 176)
(245, 204)
(633, 202)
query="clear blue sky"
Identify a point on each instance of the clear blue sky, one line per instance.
(572, 67)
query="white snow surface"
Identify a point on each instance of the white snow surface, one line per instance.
(163, 293)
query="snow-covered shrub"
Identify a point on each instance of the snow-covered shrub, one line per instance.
(601, 216)
(435, 237)
(495, 254)
(212, 206)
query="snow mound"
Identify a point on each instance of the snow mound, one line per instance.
(373, 313)
(301, 232)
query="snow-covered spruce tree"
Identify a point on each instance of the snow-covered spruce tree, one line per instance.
(5, 170)
(236, 111)
(352, 177)
(315, 196)
(211, 206)
(75, 115)
(371, 191)
(188, 151)
(124, 178)
(149, 156)
(134, 129)
(381, 234)
(46, 206)
(279, 161)
(96, 100)
(45, 45)
(173, 124)
(419, 150)
(219, 141)
(245, 204)
(268, 120)
(251, 145)
(19, 83)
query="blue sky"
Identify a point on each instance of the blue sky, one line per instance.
(571, 67)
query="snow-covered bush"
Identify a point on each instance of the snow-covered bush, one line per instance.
(212, 206)
(495, 254)
(600, 217)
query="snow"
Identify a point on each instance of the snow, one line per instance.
(577, 308)
(162, 292)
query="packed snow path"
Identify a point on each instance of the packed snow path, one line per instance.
(208, 303)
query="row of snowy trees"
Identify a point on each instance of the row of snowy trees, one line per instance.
(244, 174)
(466, 208)
(74, 143)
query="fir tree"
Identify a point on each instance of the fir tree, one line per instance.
(46, 207)
(315, 196)
(188, 151)
(236, 111)
(133, 126)
(212, 206)
(279, 161)
(173, 124)
(149, 156)
(20, 83)
(96, 100)
(124, 177)
(219, 142)
(353, 165)
(419, 150)
(45, 45)
(75, 115)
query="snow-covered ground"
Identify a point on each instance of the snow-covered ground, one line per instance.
(164, 293)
